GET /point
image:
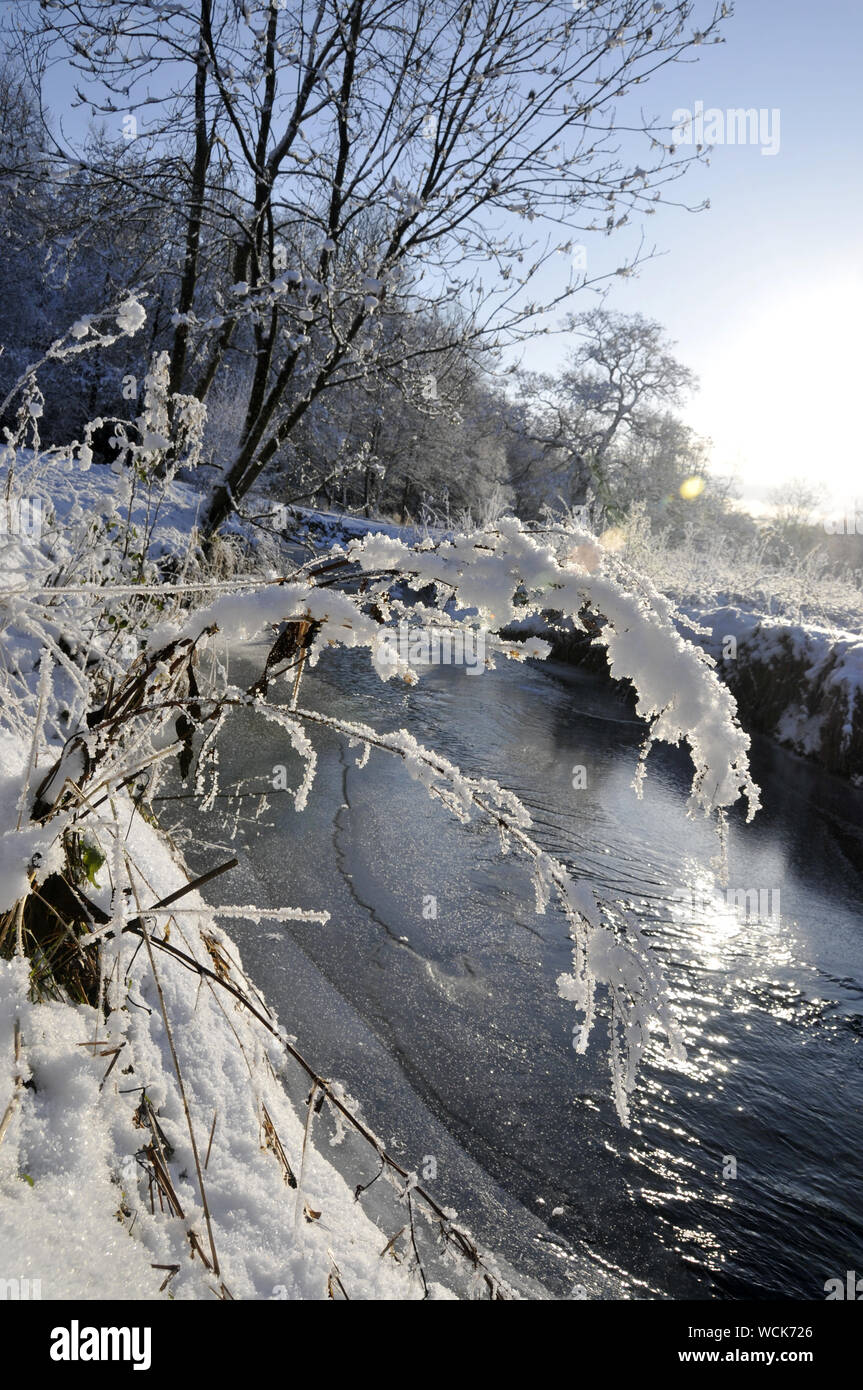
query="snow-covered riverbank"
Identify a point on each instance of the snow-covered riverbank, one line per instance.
(800, 684)
(157, 1145)
(96, 1099)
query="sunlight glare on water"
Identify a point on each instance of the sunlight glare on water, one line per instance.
(721, 1186)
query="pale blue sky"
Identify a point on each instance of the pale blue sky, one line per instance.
(764, 292)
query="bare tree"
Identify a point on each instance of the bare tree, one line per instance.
(376, 156)
(605, 411)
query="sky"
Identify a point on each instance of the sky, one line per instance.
(763, 293)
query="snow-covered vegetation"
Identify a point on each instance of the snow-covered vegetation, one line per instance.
(754, 569)
(784, 630)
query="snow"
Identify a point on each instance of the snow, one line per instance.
(830, 661)
(74, 1175)
(131, 316)
(67, 1160)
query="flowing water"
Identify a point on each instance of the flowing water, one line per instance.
(740, 1174)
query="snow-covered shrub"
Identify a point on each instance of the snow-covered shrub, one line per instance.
(712, 567)
(483, 580)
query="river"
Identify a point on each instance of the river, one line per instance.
(740, 1174)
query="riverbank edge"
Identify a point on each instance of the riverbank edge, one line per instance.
(801, 686)
(798, 684)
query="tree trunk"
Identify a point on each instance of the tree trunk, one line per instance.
(200, 165)
(404, 511)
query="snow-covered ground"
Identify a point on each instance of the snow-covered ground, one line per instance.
(324, 526)
(78, 1211)
(117, 1123)
(800, 684)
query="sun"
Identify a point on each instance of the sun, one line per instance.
(777, 393)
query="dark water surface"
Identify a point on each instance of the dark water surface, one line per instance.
(449, 1030)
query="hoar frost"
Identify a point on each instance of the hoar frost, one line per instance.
(495, 577)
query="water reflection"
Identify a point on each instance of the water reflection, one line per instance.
(739, 1174)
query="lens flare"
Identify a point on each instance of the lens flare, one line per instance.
(692, 487)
